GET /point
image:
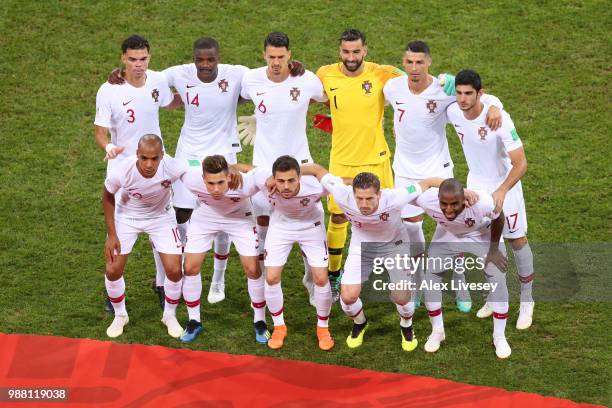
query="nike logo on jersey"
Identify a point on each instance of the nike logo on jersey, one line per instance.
(332, 89)
(326, 258)
(260, 93)
(125, 103)
(399, 103)
(190, 86)
(456, 125)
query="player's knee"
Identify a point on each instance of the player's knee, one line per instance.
(320, 279)
(518, 243)
(416, 218)
(173, 272)
(338, 218)
(182, 214)
(113, 272)
(263, 220)
(400, 297)
(191, 269)
(273, 279)
(251, 269)
(349, 297)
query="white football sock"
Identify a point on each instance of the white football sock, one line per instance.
(173, 296)
(256, 289)
(274, 300)
(434, 309)
(405, 311)
(524, 264)
(116, 294)
(192, 292)
(354, 311)
(262, 232)
(222, 246)
(500, 316)
(323, 302)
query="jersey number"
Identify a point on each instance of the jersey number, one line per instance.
(195, 101)
(131, 117)
(513, 225)
(402, 111)
(460, 136)
(262, 108)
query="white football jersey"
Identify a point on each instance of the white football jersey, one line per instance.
(140, 197)
(130, 113)
(385, 224)
(210, 110)
(280, 110)
(297, 213)
(235, 204)
(473, 221)
(486, 151)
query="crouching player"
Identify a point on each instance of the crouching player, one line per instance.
(296, 217)
(221, 210)
(144, 183)
(461, 229)
(375, 217)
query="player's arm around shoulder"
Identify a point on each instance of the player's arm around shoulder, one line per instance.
(313, 169)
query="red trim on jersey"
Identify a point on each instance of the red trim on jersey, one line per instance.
(172, 301)
(434, 313)
(277, 313)
(500, 316)
(192, 304)
(221, 257)
(259, 305)
(527, 279)
(117, 299)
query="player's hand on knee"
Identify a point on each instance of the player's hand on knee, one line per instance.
(112, 151)
(112, 248)
(247, 126)
(471, 197)
(116, 77)
(494, 117)
(296, 68)
(498, 259)
(235, 178)
(498, 198)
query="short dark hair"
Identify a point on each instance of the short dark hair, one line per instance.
(214, 164)
(150, 139)
(134, 42)
(418, 46)
(452, 186)
(469, 77)
(366, 180)
(277, 39)
(205, 43)
(352, 34)
(285, 163)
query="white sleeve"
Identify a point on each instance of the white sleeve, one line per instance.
(103, 108)
(507, 133)
(336, 187)
(166, 94)
(405, 195)
(318, 94)
(169, 74)
(249, 183)
(245, 92)
(386, 93)
(176, 168)
(485, 205)
(260, 175)
(112, 182)
(491, 100)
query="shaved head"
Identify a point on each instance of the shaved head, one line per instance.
(451, 186)
(151, 140)
(451, 198)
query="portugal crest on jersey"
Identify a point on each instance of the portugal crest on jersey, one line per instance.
(166, 183)
(482, 132)
(431, 105)
(305, 201)
(367, 87)
(294, 93)
(470, 222)
(155, 95)
(223, 85)
(384, 216)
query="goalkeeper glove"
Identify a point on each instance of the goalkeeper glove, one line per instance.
(246, 129)
(447, 81)
(323, 122)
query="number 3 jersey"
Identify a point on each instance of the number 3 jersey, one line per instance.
(130, 113)
(280, 110)
(210, 110)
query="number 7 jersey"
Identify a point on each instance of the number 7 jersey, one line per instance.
(280, 110)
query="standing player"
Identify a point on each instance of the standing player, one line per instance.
(496, 162)
(230, 212)
(281, 105)
(136, 198)
(419, 102)
(131, 110)
(375, 217)
(356, 101)
(296, 217)
(476, 230)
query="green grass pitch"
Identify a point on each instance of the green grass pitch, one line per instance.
(549, 62)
